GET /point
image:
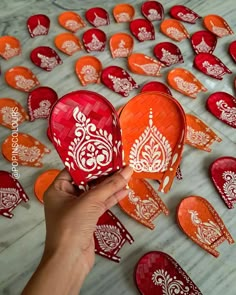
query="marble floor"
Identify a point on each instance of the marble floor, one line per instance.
(22, 238)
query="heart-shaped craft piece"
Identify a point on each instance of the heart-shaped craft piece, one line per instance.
(28, 151)
(142, 203)
(71, 21)
(152, 10)
(45, 58)
(68, 43)
(118, 80)
(223, 175)
(142, 64)
(153, 137)
(184, 14)
(11, 193)
(142, 29)
(168, 53)
(156, 86)
(9, 47)
(38, 25)
(21, 78)
(110, 235)
(88, 69)
(121, 45)
(202, 224)
(223, 106)
(232, 50)
(123, 13)
(43, 182)
(211, 65)
(40, 102)
(158, 273)
(199, 135)
(174, 29)
(203, 41)
(86, 133)
(217, 25)
(12, 114)
(94, 40)
(97, 17)
(185, 82)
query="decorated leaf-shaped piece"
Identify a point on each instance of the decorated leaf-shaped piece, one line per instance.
(71, 21)
(184, 14)
(142, 29)
(68, 43)
(152, 10)
(123, 13)
(217, 25)
(168, 53)
(174, 29)
(38, 25)
(94, 40)
(9, 47)
(121, 45)
(97, 16)
(203, 41)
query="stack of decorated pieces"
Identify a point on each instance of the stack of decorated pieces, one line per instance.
(153, 123)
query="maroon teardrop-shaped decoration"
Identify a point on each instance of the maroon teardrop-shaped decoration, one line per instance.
(203, 42)
(45, 58)
(184, 14)
(168, 53)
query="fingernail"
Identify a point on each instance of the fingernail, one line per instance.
(127, 172)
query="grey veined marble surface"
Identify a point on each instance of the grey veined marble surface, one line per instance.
(22, 238)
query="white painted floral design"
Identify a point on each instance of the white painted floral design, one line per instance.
(39, 30)
(44, 109)
(207, 232)
(99, 21)
(123, 17)
(151, 152)
(169, 58)
(73, 25)
(185, 86)
(121, 84)
(219, 31)
(170, 285)
(23, 83)
(7, 115)
(152, 69)
(28, 154)
(48, 63)
(188, 17)
(153, 14)
(228, 114)
(229, 186)
(121, 51)
(10, 52)
(197, 137)
(213, 70)
(109, 237)
(8, 197)
(95, 44)
(203, 47)
(175, 33)
(144, 35)
(89, 73)
(70, 46)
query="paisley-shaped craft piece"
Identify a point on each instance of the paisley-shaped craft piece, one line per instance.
(90, 143)
(68, 43)
(168, 53)
(202, 224)
(97, 17)
(40, 102)
(118, 80)
(184, 14)
(21, 78)
(158, 273)
(203, 41)
(153, 137)
(142, 29)
(28, 151)
(43, 182)
(9, 47)
(142, 64)
(142, 203)
(11, 193)
(45, 58)
(88, 69)
(211, 65)
(156, 86)
(223, 106)
(121, 45)
(232, 50)
(12, 114)
(123, 13)
(185, 82)
(174, 29)
(199, 135)
(223, 175)
(152, 10)
(94, 40)
(38, 25)
(217, 25)
(110, 235)
(71, 21)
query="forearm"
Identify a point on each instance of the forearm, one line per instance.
(60, 273)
